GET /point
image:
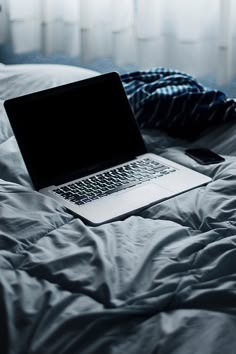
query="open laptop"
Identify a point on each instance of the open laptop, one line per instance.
(81, 145)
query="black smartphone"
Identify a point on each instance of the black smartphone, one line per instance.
(204, 156)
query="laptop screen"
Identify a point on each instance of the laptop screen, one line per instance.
(66, 131)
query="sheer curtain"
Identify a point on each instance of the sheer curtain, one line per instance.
(198, 37)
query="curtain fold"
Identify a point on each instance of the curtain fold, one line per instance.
(198, 37)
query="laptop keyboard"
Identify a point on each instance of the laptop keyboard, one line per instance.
(112, 181)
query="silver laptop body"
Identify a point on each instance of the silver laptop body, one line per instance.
(82, 146)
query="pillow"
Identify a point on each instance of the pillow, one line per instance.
(22, 79)
(5, 129)
(16, 80)
(12, 167)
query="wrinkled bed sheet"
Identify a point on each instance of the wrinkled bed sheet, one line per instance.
(163, 281)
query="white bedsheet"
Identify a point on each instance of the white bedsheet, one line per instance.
(159, 282)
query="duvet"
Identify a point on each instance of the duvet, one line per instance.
(161, 281)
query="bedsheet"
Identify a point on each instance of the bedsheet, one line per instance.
(162, 281)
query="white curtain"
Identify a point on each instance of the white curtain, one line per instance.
(195, 36)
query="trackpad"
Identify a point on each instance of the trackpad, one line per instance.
(145, 195)
(125, 202)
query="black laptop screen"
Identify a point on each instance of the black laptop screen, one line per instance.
(65, 131)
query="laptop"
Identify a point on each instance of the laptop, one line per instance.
(81, 146)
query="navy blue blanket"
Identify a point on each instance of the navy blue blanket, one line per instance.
(176, 102)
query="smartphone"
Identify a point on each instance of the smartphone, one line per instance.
(204, 156)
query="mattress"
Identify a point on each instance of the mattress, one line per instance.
(161, 281)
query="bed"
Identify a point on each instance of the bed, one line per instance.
(161, 281)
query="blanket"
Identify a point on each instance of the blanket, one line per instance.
(176, 102)
(161, 281)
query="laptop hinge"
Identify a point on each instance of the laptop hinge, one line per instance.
(92, 169)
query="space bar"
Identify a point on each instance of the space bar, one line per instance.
(121, 188)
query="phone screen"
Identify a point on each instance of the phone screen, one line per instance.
(204, 156)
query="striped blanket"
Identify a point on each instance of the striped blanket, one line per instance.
(175, 102)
